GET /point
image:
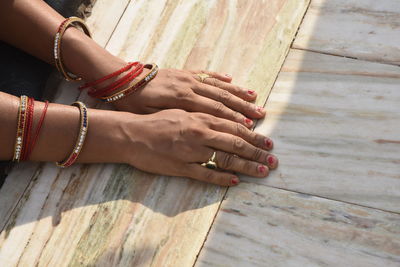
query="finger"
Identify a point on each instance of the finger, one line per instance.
(230, 100)
(228, 161)
(223, 77)
(243, 132)
(236, 145)
(201, 173)
(245, 94)
(218, 109)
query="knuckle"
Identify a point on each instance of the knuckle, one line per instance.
(184, 95)
(257, 154)
(238, 89)
(224, 95)
(215, 82)
(234, 89)
(219, 107)
(241, 91)
(227, 161)
(241, 130)
(247, 166)
(248, 107)
(237, 116)
(204, 117)
(238, 144)
(196, 131)
(184, 77)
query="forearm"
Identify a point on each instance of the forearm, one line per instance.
(31, 26)
(104, 142)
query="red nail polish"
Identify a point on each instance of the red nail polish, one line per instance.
(248, 121)
(250, 92)
(235, 180)
(271, 160)
(268, 143)
(262, 168)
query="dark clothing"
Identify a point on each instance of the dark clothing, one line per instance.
(23, 74)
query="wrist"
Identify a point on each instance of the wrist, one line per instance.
(85, 58)
(106, 141)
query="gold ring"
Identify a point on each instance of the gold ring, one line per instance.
(203, 76)
(211, 163)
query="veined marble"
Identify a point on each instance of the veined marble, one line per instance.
(114, 215)
(362, 29)
(262, 226)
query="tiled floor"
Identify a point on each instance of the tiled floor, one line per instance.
(334, 201)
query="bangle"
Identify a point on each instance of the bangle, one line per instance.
(109, 76)
(117, 84)
(28, 127)
(57, 45)
(19, 141)
(81, 136)
(153, 72)
(35, 137)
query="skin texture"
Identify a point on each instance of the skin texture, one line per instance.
(195, 137)
(178, 140)
(182, 89)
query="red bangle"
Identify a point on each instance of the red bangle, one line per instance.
(95, 93)
(133, 87)
(119, 83)
(28, 128)
(105, 78)
(38, 127)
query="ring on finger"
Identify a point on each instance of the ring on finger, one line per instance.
(212, 162)
(202, 76)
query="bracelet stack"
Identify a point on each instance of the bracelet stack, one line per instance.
(81, 136)
(25, 141)
(115, 90)
(71, 21)
(133, 87)
(118, 83)
(24, 144)
(118, 89)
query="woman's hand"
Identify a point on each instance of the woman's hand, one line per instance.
(175, 142)
(180, 89)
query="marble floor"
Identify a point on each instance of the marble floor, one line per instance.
(328, 73)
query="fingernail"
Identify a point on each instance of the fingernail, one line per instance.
(251, 92)
(262, 169)
(228, 75)
(234, 181)
(268, 143)
(271, 160)
(248, 121)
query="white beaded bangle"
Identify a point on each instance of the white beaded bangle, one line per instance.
(81, 136)
(19, 140)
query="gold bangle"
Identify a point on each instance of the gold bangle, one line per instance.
(133, 87)
(57, 45)
(81, 136)
(19, 140)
